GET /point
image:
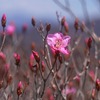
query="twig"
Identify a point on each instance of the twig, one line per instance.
(86, 30)
(59, 89)
(3, 41)
(41, 71)
(36, 84)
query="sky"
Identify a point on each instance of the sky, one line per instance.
(22, 10)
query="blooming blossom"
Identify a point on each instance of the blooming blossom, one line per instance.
(58, 42)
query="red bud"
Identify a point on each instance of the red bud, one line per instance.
(3, 20)
(36, 56)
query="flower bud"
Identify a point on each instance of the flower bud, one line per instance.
(48, 27)
(9, 79)
(17, 59)
(20, 88)
(36, 56)
(33, 68)
(43, 66)
(63, 20)
(33, 21)
(76, 24)
(3, 20)
(11, 29)
(89, 42)
(97, 84)
(2, 57)
(32, 46)
(66, 26)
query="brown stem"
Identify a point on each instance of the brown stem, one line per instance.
(41, 71)
(59, 89)
(4, 38)
(86, 30)
(51, 69)
(45, 80)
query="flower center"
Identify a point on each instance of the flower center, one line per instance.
(58, 43)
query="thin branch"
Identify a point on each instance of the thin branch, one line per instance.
(3, 41)
(86, 30)
(65, 8)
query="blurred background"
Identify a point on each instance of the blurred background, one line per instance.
(21, 11)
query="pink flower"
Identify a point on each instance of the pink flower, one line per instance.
(10, 29)
(16, 56)
(68, 90)
(58, 42)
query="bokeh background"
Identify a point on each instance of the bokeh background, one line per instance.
(21, 12)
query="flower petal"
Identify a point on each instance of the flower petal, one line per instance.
(65, 41)
(58, 35)
(51, 40)
(70, 91)
(64, 51)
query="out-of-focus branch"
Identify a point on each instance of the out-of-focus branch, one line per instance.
(67, 3)
(86, 30)
(3, 41)
(85, 11)
(65, 8)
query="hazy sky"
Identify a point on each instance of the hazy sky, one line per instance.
(23, 10)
